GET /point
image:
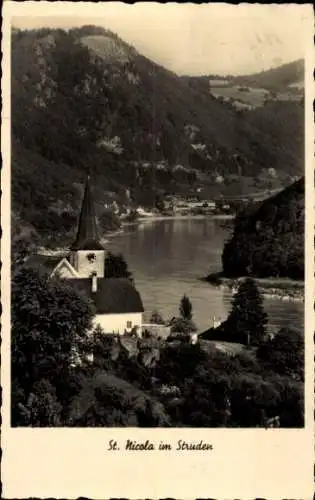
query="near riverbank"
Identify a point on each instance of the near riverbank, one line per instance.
(271, 288)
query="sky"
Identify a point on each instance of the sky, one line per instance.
(189, 38)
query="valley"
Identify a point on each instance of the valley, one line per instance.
(157, 237)
(136, 127)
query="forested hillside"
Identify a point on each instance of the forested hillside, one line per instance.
(276, 78)
(84, 100)
(269, 241)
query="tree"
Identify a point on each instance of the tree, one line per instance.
(248, 319)
(284, 353)
(109, 221)
(21, 249)
(110, 401)
(268, 237)
(182, 325)
(50, 333)
(185, 308)
(156, 318)
(41, 409)
(177, 364)
(117, 267)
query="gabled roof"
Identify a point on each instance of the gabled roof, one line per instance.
(113, 295)
(87, 234)
(65, 263)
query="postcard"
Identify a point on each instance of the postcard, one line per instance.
(157, 250)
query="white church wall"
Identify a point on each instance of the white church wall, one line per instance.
(118, 323)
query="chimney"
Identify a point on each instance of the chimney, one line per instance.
(94, 283)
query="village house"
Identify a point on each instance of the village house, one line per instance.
(118, 304)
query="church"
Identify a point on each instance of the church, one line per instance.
(117, 303)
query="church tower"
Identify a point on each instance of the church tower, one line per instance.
(87, 254)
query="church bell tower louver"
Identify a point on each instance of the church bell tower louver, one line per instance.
(87, 254)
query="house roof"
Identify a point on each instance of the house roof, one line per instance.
(113, 295)
(130, 344)
(87, 234)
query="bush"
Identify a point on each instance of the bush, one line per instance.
(50, 325)
(109, 221)
(284, 353)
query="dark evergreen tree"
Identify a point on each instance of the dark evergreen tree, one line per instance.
(117, 267)
(185, 308)
(248, 319)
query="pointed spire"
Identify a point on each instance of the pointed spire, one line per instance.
(87, 234)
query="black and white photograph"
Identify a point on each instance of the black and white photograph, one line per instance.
(157, 218)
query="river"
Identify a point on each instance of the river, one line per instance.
(168, 256)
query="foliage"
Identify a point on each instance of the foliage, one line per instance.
(50, 325)
(22, 247)
(269, 241)
(178, 363)
(206, 387)
(284, 353)
(182, 325)
(132, 216)
(230, 391)
(247, 318)
(156, 318)
(109, 221)
(41, 409)
(247, 321)
(275, 78)
(103, 349)
(107, 400)
(70, 101)
(185, 308)
(117, 267)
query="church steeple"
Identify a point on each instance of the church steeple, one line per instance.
(87, 254)
(87, 235)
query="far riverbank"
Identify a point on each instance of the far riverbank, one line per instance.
(284, 289)
(155, 218)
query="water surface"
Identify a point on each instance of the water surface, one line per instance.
(167, 257)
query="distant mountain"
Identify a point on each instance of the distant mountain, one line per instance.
(85, 101)
(269, 241)
(276, 79)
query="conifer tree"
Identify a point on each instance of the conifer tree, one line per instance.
(185, 308)
(248, 318)
(117, 267)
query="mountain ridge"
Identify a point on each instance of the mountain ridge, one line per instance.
(270, 79)
(117, 116)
